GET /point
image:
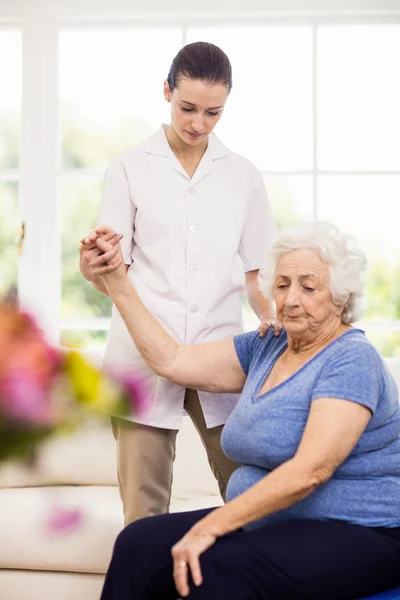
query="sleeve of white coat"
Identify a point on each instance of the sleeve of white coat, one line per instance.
(259, 227)
(117, 209)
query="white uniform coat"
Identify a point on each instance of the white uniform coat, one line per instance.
(188, 243)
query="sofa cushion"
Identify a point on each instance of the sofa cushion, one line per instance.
(88, 457)
(36, 585)
(27, 543)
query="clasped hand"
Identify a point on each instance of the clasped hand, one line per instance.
(100, 253)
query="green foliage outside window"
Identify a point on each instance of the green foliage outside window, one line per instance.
(9, 140)
(9, 229)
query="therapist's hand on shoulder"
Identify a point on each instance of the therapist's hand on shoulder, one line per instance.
(267, 324)
(97, 257)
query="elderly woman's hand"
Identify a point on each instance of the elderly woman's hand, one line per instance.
(186, 555)
(266, 324)
(96, 261)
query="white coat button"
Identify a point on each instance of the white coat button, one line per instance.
(194, 308)
(191, 191)
(193, 268)
(193, 227)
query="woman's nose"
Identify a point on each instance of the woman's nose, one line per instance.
(292, 297)
(198, 124)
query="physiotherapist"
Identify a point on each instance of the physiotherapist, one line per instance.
(196, 225)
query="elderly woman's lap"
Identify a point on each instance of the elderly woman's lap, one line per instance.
(291, 559)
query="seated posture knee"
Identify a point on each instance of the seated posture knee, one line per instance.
(134, 539)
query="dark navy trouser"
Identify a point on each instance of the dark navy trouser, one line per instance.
(292, 560)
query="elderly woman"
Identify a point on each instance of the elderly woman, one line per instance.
(314, 509)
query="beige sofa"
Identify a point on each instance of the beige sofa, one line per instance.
(80, 472)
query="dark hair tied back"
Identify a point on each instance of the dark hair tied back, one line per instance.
(202, 61)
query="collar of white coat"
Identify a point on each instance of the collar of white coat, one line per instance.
(158, 144)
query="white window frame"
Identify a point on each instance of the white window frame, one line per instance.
(39, 174)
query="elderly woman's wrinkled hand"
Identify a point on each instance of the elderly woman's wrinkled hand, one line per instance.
(267, 324)
(100, 253)
(186, 556)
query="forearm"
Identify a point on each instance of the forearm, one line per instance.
(282, 488)
(98, 284)
(261, 306)
(154, 343)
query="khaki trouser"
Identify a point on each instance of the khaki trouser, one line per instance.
(145, 460)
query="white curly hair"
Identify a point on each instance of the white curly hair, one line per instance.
(346, 263)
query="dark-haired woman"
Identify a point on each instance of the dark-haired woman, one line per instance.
(196, 226)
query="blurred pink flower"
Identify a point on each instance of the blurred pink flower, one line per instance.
(136, 389)
(45, 390)
(23, 398)
(64, 520)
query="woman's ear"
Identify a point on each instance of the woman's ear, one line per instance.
(167, 91)
(340, 309)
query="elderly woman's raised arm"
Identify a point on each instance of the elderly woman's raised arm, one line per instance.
(211, 367)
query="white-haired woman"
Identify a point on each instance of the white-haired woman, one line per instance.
(314, 508)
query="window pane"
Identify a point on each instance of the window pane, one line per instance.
(291, 198)
(9, 230)
(359, 97)
(268, 117)
(111, 90)
(84, 338)
(10, 98)
(368, 207)
(387, 342)
(291, 201)
(80, 202)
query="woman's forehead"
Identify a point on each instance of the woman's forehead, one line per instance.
(302, 262)
(197, 92)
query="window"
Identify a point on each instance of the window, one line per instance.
(317, 111)
(358, 98)
(110, 90)
(358, 156)
(314, 105)
(269, 115)
(10, 127)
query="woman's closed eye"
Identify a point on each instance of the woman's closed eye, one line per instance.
(283, 286)
(209, 112)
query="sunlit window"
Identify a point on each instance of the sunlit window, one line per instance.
(305, 127)
(270, 112)
(314, 106)
(291, 198)
(111, 91)
(368, 206)
(359, 98)
(111, 98)
(358, 129)
(10, 127)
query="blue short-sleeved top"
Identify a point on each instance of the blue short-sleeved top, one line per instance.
(264, 431)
